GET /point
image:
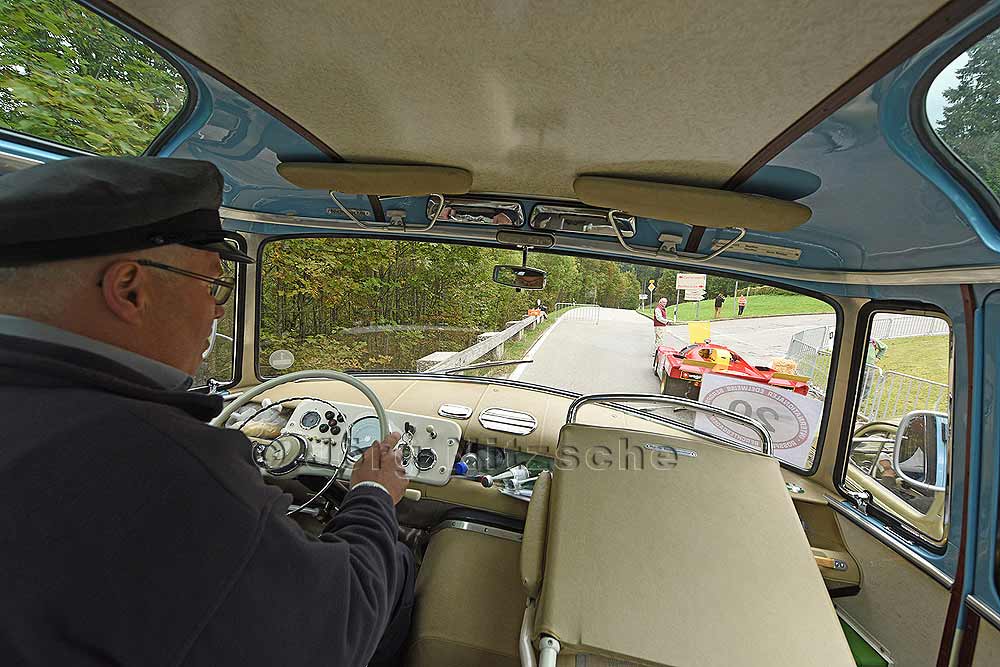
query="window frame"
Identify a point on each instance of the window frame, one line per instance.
(889, 522)
(828, 299)
(237, 301)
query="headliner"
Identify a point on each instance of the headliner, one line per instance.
(527, 95)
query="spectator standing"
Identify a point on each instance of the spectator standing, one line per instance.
(720, 300)
(659, 324)
(741, 304)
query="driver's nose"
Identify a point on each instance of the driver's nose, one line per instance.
(219, 312)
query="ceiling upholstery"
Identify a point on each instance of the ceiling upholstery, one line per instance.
(529, 94)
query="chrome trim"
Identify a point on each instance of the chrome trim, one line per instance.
(524, 645)
(505, 420)
(890, 541)
(980, 608)
(765, 437)
(479, 528)
(947, 275)
(384, 225)
(512, 210)
(579, 212)
(454, 411)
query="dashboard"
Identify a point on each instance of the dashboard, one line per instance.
(311, 436)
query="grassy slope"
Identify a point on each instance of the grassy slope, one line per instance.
(921, 356)
(765, 304)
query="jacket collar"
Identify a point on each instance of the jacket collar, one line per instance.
(29, 363)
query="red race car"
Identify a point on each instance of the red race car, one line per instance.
(680, 371)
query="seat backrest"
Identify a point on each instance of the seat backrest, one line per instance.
(695, 557)
(533, 543)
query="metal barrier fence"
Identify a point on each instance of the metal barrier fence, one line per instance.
(887, 326)
(586, 312)
(890, 395)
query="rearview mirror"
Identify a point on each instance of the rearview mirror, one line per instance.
(519, 277)
(920, 457)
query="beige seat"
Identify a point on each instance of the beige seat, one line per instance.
(471, 591)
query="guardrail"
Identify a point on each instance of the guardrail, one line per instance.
(586, 312)
(488, 344)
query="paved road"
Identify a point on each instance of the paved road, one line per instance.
(615, 352)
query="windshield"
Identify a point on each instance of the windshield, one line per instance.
(597, 326)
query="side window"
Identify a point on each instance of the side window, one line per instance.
(901, 445)
(69, 76)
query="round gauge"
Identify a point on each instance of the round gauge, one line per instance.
(281, 455)
(407, 453)
(426, 458)
(310, 419)
(360, 436)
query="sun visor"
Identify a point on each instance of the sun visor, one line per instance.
(377, 179)
(701, 207)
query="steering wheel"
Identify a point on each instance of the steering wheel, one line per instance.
(247, 396)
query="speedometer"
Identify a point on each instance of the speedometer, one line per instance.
(360, 436)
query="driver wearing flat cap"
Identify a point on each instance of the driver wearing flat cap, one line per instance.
(133, 533)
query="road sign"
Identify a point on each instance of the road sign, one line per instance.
(694, 294)
(689, 281)
(643, 296)
(651, 287)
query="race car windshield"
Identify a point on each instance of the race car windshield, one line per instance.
(597, 326)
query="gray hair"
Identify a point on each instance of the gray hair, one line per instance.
(44, 290)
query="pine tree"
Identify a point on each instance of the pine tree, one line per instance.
(971, 123)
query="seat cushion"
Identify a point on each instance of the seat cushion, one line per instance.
(469, 603)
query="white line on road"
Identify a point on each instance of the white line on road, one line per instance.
(519, 371)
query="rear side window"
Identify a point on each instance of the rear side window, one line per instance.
(71, 77)
(963, 107)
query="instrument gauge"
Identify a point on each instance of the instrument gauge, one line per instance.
(407, 453)
(310, 419)
(426, 458)
(281, 455)
(360, 436)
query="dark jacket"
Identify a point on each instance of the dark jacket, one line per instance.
(132, 533)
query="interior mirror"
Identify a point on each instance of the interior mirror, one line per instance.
(920, 457)
(520, 277)
(579, 220)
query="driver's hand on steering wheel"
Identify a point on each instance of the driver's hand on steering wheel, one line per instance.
(382, 463)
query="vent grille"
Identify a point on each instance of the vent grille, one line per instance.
(508, 421)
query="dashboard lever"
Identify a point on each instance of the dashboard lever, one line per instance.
(413, 494)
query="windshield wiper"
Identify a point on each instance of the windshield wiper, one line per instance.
(485, 364)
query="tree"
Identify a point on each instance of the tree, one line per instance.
(69, 76)
(971, 122)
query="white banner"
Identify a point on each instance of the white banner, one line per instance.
(791, 419)
(691, 281)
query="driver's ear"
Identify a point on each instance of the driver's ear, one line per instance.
(125, 288)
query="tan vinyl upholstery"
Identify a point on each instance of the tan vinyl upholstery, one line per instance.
(533, 544)
(693, 559)
(469, 601)
(469, 604)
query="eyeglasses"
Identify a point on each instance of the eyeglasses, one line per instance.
(222, 287)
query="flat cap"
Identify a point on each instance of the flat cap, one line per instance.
(89, 206)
